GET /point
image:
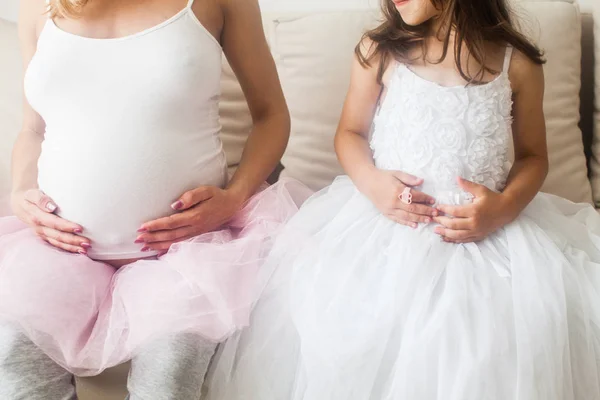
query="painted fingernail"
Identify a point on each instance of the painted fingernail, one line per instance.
(145, 249)
(432, 201)
(78, 230)
(51, 207)
(142, 230)
(415, 225)
(177, 205)
(86, 245)
(138, 241)
(435, 213)
(427, 220)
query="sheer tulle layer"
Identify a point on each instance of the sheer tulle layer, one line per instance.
(360, 308)
(87, 316)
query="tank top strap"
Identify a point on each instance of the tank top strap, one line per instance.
(507, 58)
(190, 3)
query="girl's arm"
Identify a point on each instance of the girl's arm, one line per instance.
(354, 153)
(28, 203)
(490, 211)
(207, 208)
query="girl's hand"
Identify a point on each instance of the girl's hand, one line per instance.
(488, 212)
(37, 210)
(384, 189)
(201, 211)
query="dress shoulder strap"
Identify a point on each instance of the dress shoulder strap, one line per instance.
(190, 3)
(507, 58)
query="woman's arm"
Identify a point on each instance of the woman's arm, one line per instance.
(490, 211)
(27, 147)
(28, 203)
(354, 153)
(248, 54)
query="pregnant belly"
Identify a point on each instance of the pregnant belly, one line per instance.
(112, 197)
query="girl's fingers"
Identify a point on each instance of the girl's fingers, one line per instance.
(457, 224)
(407, 179)
(422, 198)
(418, 209)
(401, 221)
(409, 217)
(456, 211)
(454, 234)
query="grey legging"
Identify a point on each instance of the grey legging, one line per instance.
(171, 368)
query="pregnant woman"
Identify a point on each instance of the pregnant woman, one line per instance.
(129, 241)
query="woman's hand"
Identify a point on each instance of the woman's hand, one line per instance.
(384, 189)
(37, 210)
(488, 212)
(201, 211)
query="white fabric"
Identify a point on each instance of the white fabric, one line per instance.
(468, 137)
(131, 124)
(363, 308)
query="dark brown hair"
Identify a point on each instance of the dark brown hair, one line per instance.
(474, 22)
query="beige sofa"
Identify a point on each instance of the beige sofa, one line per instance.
(313, 53)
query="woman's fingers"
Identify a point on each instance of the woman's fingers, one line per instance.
(41, 218)
(164, 246)
(43, 202)
(63, 237)
(173, 235)
(62, 241)
(193, 197)
(171, 222)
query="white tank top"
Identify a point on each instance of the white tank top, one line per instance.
(131, 124)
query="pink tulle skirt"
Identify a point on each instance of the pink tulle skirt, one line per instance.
(88, 316)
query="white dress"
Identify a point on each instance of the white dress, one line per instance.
(362, 308)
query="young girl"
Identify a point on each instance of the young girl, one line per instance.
(118, 162)
(487, 295)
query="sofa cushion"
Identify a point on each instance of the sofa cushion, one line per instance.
(314, 55)
(556, 26)
(595, 161)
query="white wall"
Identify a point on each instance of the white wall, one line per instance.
(8, 8)
(302, 5)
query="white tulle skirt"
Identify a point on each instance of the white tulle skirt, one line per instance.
(361, 308)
